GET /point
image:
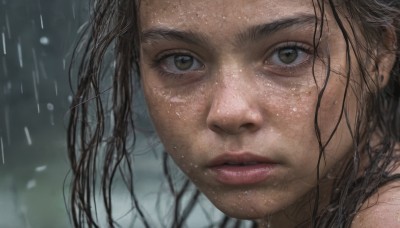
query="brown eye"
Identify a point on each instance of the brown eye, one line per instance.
(288, 55)
(183, 62)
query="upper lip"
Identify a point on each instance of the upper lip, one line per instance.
(239, 158)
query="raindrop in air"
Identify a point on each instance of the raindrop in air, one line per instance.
(44, 40)
(41, 21)
(56, 87)
(28, 136)
(2, 150)
(50, 107)
(19, 49)
(41, 168)
(31, 184)
(4, 43)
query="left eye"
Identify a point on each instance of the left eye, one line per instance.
(288, 56)
(179, 64)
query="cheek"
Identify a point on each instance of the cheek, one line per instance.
(334, 120)
(176, 117)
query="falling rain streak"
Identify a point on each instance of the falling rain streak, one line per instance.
(7, 123)
(8, 27)
(41, 21)
(19, 48)
(28, 136)
(2, 150)
(35, 90)
(56, 87)
(3, 37)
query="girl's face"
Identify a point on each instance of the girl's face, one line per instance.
(231, 92)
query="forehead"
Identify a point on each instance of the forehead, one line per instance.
(214, 15)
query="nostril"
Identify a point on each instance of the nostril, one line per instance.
(233, 128)
(248, 126)
(217, 129)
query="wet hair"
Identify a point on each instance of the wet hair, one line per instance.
(101, 130)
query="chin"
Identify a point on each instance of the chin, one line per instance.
(245, 209)
(244, 213)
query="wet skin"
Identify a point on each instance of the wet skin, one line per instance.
(235, 77)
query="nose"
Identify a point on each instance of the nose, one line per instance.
(234, 110)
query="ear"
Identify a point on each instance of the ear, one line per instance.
(386, 56)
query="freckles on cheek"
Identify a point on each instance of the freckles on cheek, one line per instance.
(175, 116)
(295, 106)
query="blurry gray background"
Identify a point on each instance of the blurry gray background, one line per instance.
(36, 39)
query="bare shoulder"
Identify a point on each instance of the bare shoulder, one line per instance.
(381, 210)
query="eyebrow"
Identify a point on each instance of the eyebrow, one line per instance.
(253, 33)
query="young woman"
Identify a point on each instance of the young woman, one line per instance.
(283, 112)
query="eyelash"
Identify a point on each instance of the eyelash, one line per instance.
(307, 50)
(157, 63)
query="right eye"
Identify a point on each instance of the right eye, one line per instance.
(178, 64)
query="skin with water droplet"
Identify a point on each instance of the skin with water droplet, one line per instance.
(234, 90)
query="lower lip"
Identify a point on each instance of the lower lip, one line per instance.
(242, 175)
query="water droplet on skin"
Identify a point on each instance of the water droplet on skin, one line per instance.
(330, 176)
(294, 109)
